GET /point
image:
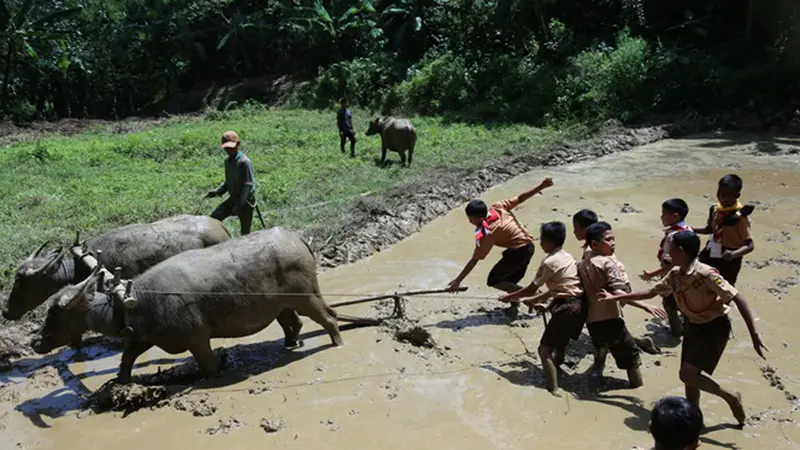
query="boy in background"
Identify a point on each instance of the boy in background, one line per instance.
(344, 120)
(729, 228)
(673, 218)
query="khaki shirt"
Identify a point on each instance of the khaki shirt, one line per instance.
(559, 272)
(732, 237)
(701, 293)
(598, 273)
(507, 232)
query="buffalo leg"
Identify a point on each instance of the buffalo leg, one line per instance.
(205, 357)
(319, 311)
(402, 157)
(132, 351)
(290, 321)
(410, 155)
(383, 155)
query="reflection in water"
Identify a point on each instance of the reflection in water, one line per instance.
(486, 388)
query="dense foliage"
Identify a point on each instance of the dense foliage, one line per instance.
(513, 60)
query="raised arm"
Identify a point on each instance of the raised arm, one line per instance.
(546, 183)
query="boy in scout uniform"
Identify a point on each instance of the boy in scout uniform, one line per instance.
(729, 228)
(599, 272)
(498, 226)
(559, 273)
(673, 218)
(581, 221)
(703, 297)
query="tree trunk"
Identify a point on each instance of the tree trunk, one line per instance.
(6, 74)
(748, 28)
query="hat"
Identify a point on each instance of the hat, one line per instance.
(229, 139)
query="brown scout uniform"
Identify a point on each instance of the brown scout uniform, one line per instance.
(703, 296)
(733, 238)
(559, 272)
(509, 233)
(604, 319)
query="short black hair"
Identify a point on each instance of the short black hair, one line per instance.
(596, 231)
(476, 208)
(732, 182)
(676, 206)
(585, 217)
(675, 423)
(555, 232)
(343, 99)
(687, 241)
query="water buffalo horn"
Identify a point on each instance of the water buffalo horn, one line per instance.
(54, 260)
(38, 250)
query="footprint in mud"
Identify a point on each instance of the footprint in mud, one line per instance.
(626, 208)
(199, 407)
(775, 380)
(781, 286)
(780, 238)
(225, 427)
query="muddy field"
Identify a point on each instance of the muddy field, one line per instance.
(453, 372)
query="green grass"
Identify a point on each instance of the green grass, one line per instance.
(97, 181)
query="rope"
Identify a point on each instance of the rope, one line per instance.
(300, 294)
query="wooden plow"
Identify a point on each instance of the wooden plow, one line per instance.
(397, 312)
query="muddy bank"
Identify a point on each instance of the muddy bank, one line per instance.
(11, 133)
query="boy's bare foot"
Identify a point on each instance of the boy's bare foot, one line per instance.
(735, 402)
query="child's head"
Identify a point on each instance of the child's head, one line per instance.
(675, 424)
(552, 236)
(684, 248)
(729, 189)
(343, 102)
(581, 221)
(673, 211)
(600, 237)
(476, 211)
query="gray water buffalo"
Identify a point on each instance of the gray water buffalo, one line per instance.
(232, 289)
(397, 135)
(135, 248)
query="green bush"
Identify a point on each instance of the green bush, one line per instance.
(610, 82)
(364, 81)
(438, 84)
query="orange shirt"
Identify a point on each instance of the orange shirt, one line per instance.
(506, 231)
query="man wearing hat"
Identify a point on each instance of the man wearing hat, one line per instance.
(239, 184)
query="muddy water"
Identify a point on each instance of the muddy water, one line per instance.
(483, 388)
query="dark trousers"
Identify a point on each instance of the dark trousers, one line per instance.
(345, 135)
(245, 214)
(728, 269)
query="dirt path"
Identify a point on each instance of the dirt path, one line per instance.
(474, 382)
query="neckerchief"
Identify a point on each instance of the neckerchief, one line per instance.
(680, 226)
(720, 213)
(483, 229)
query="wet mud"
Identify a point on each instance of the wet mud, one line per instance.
(453, 370)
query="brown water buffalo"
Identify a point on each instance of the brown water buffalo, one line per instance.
(397, 135)
(232, 289)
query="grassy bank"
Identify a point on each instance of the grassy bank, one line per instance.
(96, 181)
